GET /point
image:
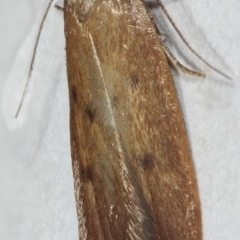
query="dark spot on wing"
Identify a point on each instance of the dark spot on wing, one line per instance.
(86, 174)
(115, 101)
(147, 162)
(134, 81)
(74, 93)
(90, 113)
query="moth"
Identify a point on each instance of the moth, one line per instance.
(133, 173)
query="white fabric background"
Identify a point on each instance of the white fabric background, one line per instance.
(36, 186)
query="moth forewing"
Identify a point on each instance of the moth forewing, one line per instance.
(133, 172)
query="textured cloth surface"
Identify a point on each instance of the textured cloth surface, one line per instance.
(36, 185)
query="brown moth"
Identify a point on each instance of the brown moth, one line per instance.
(133, 173)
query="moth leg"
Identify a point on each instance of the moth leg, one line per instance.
(187, 44)
(59, 7)
(177, 64)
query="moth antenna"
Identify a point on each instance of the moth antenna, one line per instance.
(33, 57)
(186, 42)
